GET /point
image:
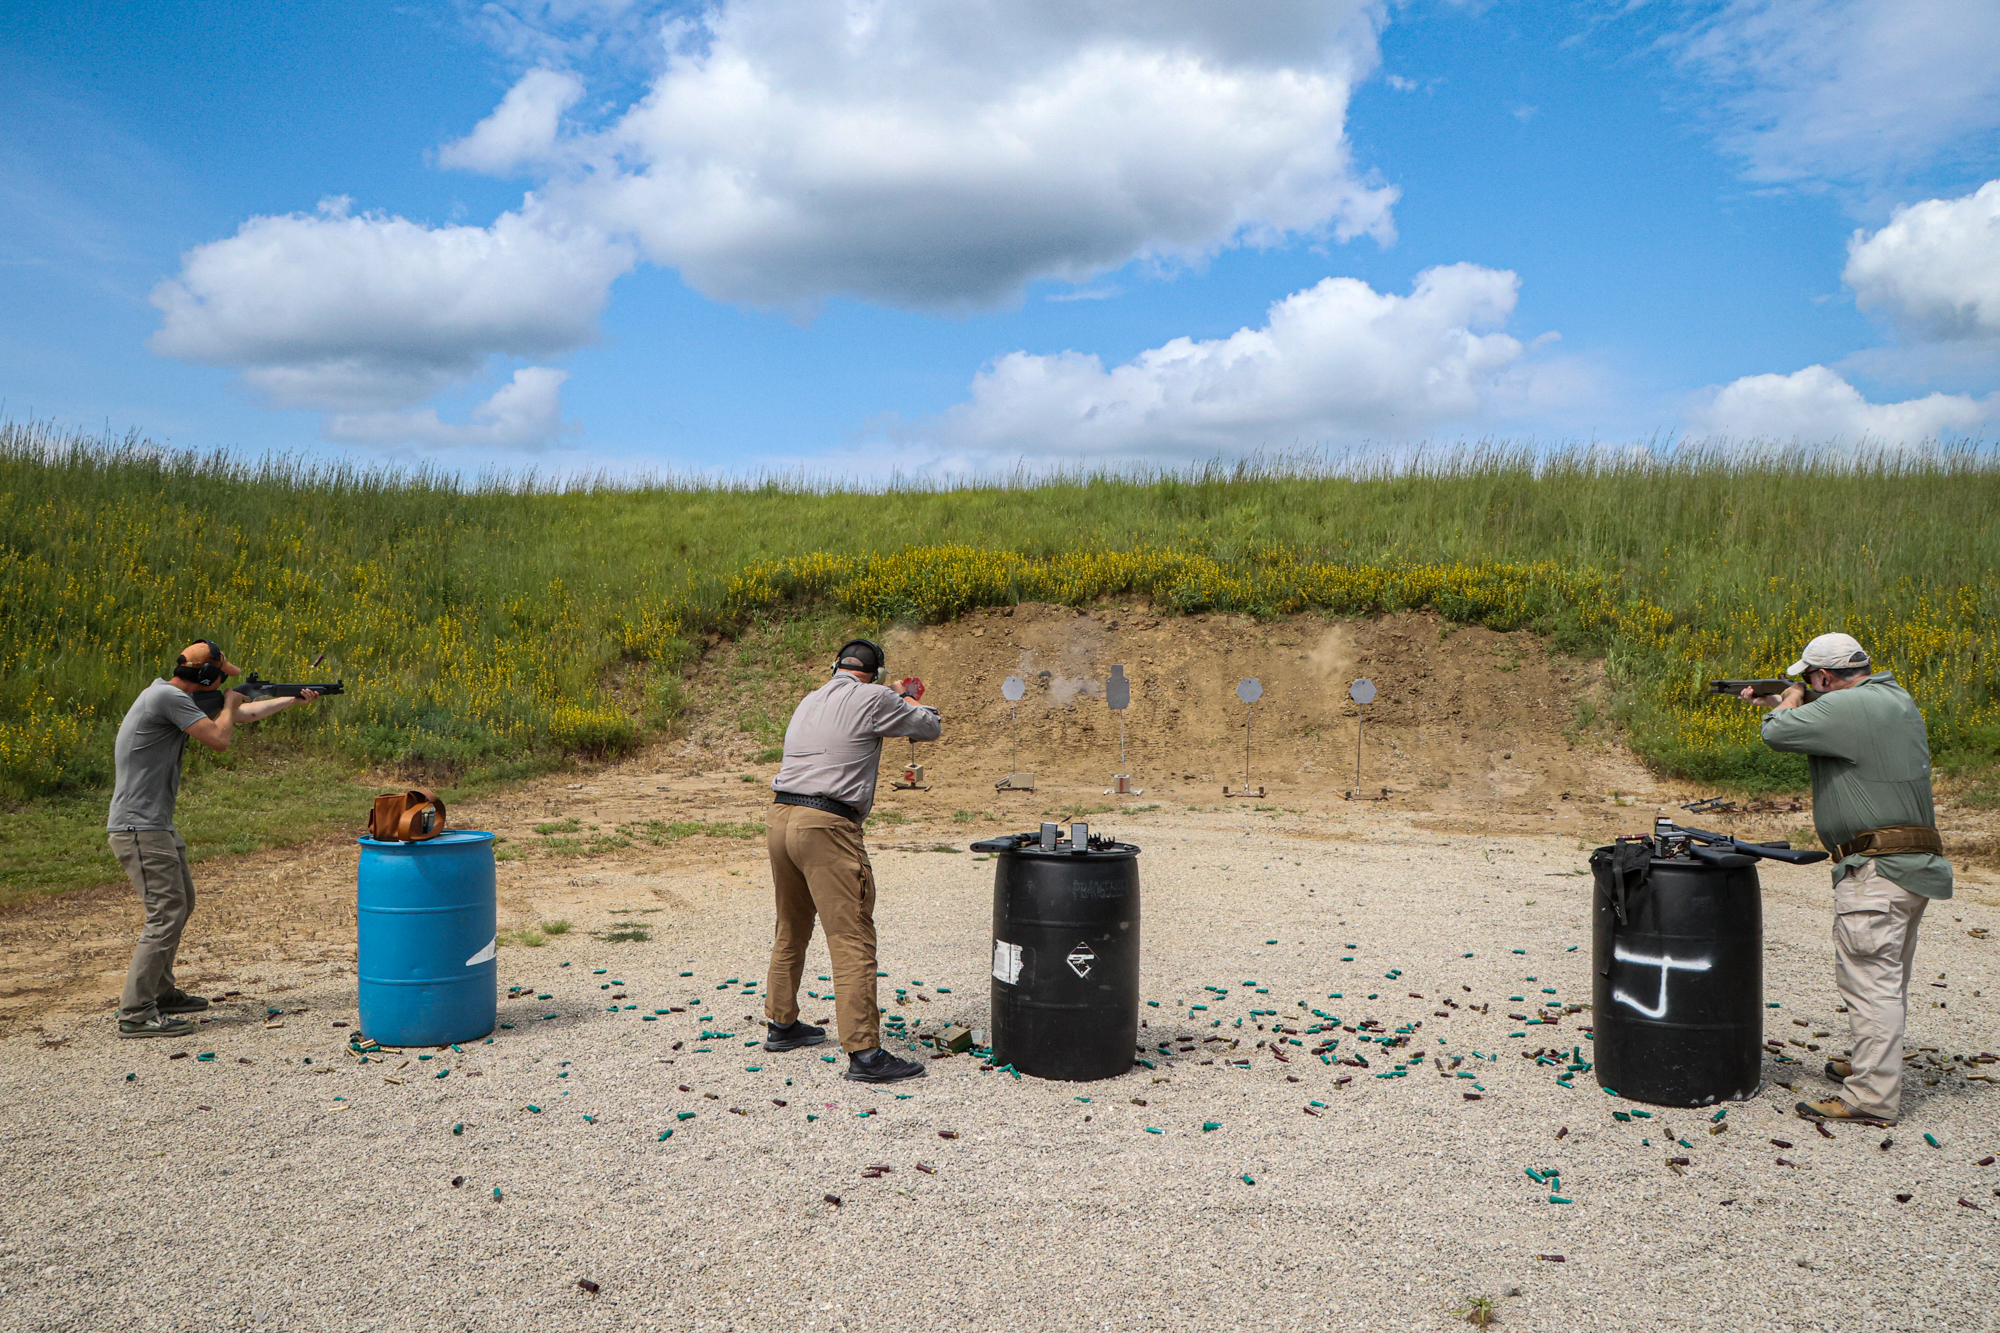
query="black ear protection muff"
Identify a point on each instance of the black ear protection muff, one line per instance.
(843, 662)
(205, 674)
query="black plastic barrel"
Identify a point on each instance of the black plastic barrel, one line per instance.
(1678, 994)
(1065, 954)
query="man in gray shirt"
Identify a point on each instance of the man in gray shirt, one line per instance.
(147, 758)
(822, 793)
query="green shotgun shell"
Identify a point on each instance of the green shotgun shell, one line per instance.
(441, 1073)
(684, 1115)
(1208, 1125)
(536, 1109)
(1557, 1198)
(665, 1134)
(131, 1078)
(458, 1128)
(1620, 1115)
(1719, 1114)
(1248, 1180)
(1928, 1139)
(496, 1194)
(590, 1120)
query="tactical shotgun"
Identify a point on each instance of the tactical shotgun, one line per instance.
(253, 687)
(1770, 685)
(1706, 846)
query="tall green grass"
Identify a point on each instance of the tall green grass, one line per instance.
(483, 627)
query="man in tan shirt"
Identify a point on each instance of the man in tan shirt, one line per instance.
(823, 792)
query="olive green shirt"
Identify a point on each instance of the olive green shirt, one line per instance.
(1871, 768)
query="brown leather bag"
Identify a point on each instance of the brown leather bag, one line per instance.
(406, 816)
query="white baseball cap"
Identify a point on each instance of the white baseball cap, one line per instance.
(1830, 652)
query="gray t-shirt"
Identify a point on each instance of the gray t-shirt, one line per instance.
(834, 742)
(148, 757)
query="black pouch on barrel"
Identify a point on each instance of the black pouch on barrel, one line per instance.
(406, 816)
(1631, 867)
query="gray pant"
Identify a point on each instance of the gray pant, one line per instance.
(155, 860)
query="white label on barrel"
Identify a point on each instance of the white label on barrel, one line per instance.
(1006, 962)
(485, 955)
(1080, 958)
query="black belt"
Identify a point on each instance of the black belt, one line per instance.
(826, 803)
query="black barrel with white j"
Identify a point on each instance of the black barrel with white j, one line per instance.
(1065, 953)
(1678, 994)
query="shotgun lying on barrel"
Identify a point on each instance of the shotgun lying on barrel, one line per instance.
(1670, 839)
(253, 687)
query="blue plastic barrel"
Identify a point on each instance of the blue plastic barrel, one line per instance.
(425, 922)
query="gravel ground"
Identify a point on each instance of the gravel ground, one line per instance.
(285, 1185)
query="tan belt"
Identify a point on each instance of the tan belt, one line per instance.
(1889, 841)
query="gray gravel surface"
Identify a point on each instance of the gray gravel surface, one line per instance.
(285, 1185)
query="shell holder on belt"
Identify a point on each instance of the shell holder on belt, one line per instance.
(406, 816)
(1892, 840)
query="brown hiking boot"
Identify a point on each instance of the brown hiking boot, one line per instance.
(1837, 1110)
(1839, 1070)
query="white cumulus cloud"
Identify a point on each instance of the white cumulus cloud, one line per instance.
(927, 154)
(1934, 270)
(1817, 406)
(366, 313)
(1337, 361)
(930, 153)
(522, 129)
(525, 414)
(1849, 91)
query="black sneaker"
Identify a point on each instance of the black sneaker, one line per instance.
(178, 1001)
(792, 1035)
(157, 1026)
(878, 1066)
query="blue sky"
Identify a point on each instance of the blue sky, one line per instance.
(857, 236)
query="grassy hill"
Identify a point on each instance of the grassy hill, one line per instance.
(490, 630)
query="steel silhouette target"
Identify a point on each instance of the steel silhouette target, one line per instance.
(1118, 689)
(1362, 691)
(1014, 689)
(1250, 690)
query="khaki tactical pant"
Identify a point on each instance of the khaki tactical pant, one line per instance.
(1875, 949)
(155, 860)
(820, 867)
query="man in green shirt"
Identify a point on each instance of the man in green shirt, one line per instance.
(1871, 773)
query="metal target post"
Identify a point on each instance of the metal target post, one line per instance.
(1363, 693)
(1013, 690)
(1118, 697)
(1249, 690)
